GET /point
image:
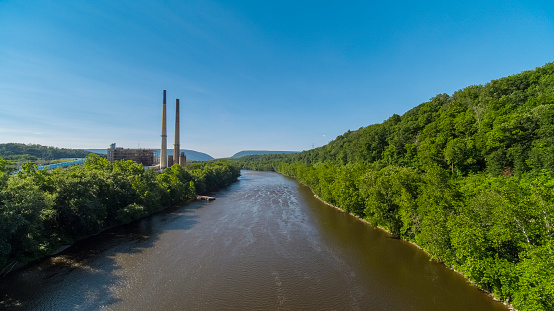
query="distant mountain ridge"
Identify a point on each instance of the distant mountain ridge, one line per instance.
(191, 154)
(258, 152)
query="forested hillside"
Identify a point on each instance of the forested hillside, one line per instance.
(468, 177)
(41, 210)
(32, 152)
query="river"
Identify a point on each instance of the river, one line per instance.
(265, 243)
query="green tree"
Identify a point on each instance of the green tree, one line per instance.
(436, 199)
(535, 289)
(389, 195)
(455, 152)
(23, 204)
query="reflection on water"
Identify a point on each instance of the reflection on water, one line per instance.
(265, 243)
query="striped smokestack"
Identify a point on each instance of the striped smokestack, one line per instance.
(163, 151)
(176, 146)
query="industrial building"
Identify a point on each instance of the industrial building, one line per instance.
(145, 157)
(148, 157)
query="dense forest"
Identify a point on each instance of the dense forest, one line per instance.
(41, 210)
(467, 177)
(32, 152)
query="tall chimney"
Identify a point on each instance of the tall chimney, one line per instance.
(176, 151)
(163, 151)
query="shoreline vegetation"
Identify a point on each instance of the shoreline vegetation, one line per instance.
(467, 177)
(41, 211)
(416, 246)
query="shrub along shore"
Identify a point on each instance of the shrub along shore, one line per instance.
(41, 211)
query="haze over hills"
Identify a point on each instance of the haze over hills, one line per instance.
(258, 152)
(191, 154)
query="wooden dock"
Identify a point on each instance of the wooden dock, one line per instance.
(203, 197)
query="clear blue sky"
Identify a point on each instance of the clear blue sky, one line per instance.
(263, 75)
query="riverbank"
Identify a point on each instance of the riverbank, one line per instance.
(16, 266)
(45, 210)
(418, 247)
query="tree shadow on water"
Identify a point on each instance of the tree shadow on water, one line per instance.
(87, 275)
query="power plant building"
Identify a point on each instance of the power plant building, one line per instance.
(145, 157)
(148, 157)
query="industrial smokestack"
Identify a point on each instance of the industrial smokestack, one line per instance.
(176, 151)
(163, 151)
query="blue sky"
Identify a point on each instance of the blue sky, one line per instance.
(262, 75)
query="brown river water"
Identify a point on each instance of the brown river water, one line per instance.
(265, 244)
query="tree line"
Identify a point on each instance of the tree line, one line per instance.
(468, 177)
(41, 210)
(33, 152)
